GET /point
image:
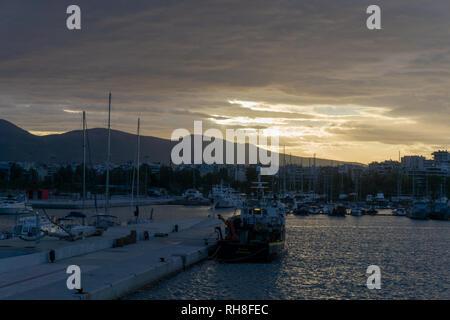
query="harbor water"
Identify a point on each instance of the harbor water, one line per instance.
(327, 258)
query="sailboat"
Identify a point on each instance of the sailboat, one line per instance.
(37, 226)
(135, 205)
(104, 221)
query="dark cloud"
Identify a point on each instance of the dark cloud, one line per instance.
(170, 62)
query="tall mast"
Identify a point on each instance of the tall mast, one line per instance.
(136, 164)
(84, 159)
(284, 169)
(137, 161)
(108, 156)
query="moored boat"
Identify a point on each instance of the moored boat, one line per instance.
(420, 210)
(399, 212)
(357, 212)
(12, 206)
(338, 211)
(440, 210)
(257, 234)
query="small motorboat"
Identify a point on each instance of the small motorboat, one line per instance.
(357, 212)
(399, 212)
(338, 211)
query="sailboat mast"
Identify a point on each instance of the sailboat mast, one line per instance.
(108, 156)
(84, 159)
(284, 169)
(137, 160)
(136, 164)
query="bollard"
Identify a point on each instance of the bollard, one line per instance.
(51, 255)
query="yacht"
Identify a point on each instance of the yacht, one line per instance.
(314, 210)
(420, 210)
(339, 211)
(357, 212)
(192, 194)
(192, 197)
(225, 197)
(371, 211)
(399, 212)
(440, 210)
(11, 206)
(300, 210)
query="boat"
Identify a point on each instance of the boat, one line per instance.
(399, 212)
(313, 210)
(257, 234)
(420, 210)
(13, 206)
(225, 197)
(290, 204)
(192, 194)
(300, 210)
(371, 211)
(35, 227)
(356, 212)
(192, 197)
(440, 210)
(105, 221)
(325, 209)
(338, 211)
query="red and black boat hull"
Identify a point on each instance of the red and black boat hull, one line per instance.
(234, 251)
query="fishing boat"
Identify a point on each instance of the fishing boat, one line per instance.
(257, 234)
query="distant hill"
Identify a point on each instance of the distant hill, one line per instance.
(19, 145)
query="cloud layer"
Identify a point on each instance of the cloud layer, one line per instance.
(307, 70)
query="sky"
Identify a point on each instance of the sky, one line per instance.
(308, 71)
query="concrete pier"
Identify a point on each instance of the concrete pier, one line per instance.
(114, 202)
(106, 272)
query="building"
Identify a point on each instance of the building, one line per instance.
(413, 162)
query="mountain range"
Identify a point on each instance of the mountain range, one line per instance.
(19, 145)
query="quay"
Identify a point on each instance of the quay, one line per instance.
(107, 271)
(100, 203)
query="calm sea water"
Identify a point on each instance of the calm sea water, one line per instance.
(327, 258)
